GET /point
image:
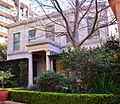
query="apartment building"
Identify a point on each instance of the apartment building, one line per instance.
(6, 17)
(32, 40)
(12, 11)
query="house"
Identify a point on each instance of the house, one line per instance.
(38, 39)
(115, 5)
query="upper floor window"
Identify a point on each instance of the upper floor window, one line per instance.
(90, 22)
(67, 38)
(32, 34)
(16, 41)
(49, 32)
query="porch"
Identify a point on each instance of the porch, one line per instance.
(39, 57)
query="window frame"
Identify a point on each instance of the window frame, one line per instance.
(30, 37)
(16, 42)
(49, 34)
(96, 34)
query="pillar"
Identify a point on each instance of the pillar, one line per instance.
(51, 64)
(30, 71)
(47, 60)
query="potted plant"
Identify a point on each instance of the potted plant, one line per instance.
(4, 93)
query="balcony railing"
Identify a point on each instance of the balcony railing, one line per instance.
(9, 11)
(42, 39)
(6, 20)
(3, 29)
(9, 2)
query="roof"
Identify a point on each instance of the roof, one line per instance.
(53, 14)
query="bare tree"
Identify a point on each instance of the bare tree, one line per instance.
(81, 10)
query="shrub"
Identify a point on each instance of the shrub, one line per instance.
(52, 82)
(20, 71)
(36, 97)
(83, 64)
(106, 83)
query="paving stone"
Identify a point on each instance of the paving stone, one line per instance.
(11, 102)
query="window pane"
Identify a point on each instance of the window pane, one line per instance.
(32, 33)
(16, 41)
(49, 32)
(96, 34)
(16, 37)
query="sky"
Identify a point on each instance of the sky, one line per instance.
(64, 3)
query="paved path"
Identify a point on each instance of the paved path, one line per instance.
(11, 102)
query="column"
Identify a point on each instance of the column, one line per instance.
(30, 71)
(18, 10)
(47, 60)
(51, 65)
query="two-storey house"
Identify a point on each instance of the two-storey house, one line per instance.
(37, 39)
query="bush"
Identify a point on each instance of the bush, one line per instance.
(83, 64)
(106, 83)
(19, 69)
(52, 82)
(36, 97)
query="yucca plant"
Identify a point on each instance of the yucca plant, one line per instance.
(106, 83)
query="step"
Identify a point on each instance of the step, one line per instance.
(12, 102)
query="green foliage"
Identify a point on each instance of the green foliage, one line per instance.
(106, 83)
(112, 43)
(23, 77)
(20, 71)
(3, 52)
(82, 65)
(36, 97)
(5, 75)
(52, 82)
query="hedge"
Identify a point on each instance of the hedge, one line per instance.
(36, 97)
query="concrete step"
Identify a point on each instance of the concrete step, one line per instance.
(12, 102)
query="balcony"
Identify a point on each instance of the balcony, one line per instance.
(6, 12)
(3, 31)
(7, 3)
(39, 44)
(5, 21)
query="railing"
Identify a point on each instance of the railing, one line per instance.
(9, 2)
(9, 11)
(57, 40)
(6, 20)
(3, 29)
(42, 39)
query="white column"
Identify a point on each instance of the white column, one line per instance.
(51, 64)
(30, 71)
(47, 60)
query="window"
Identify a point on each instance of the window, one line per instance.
(16, 41)
(49, 32)
(96, 34)
(32, 34)
(67, 38)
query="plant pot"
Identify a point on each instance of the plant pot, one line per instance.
(4, 95)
